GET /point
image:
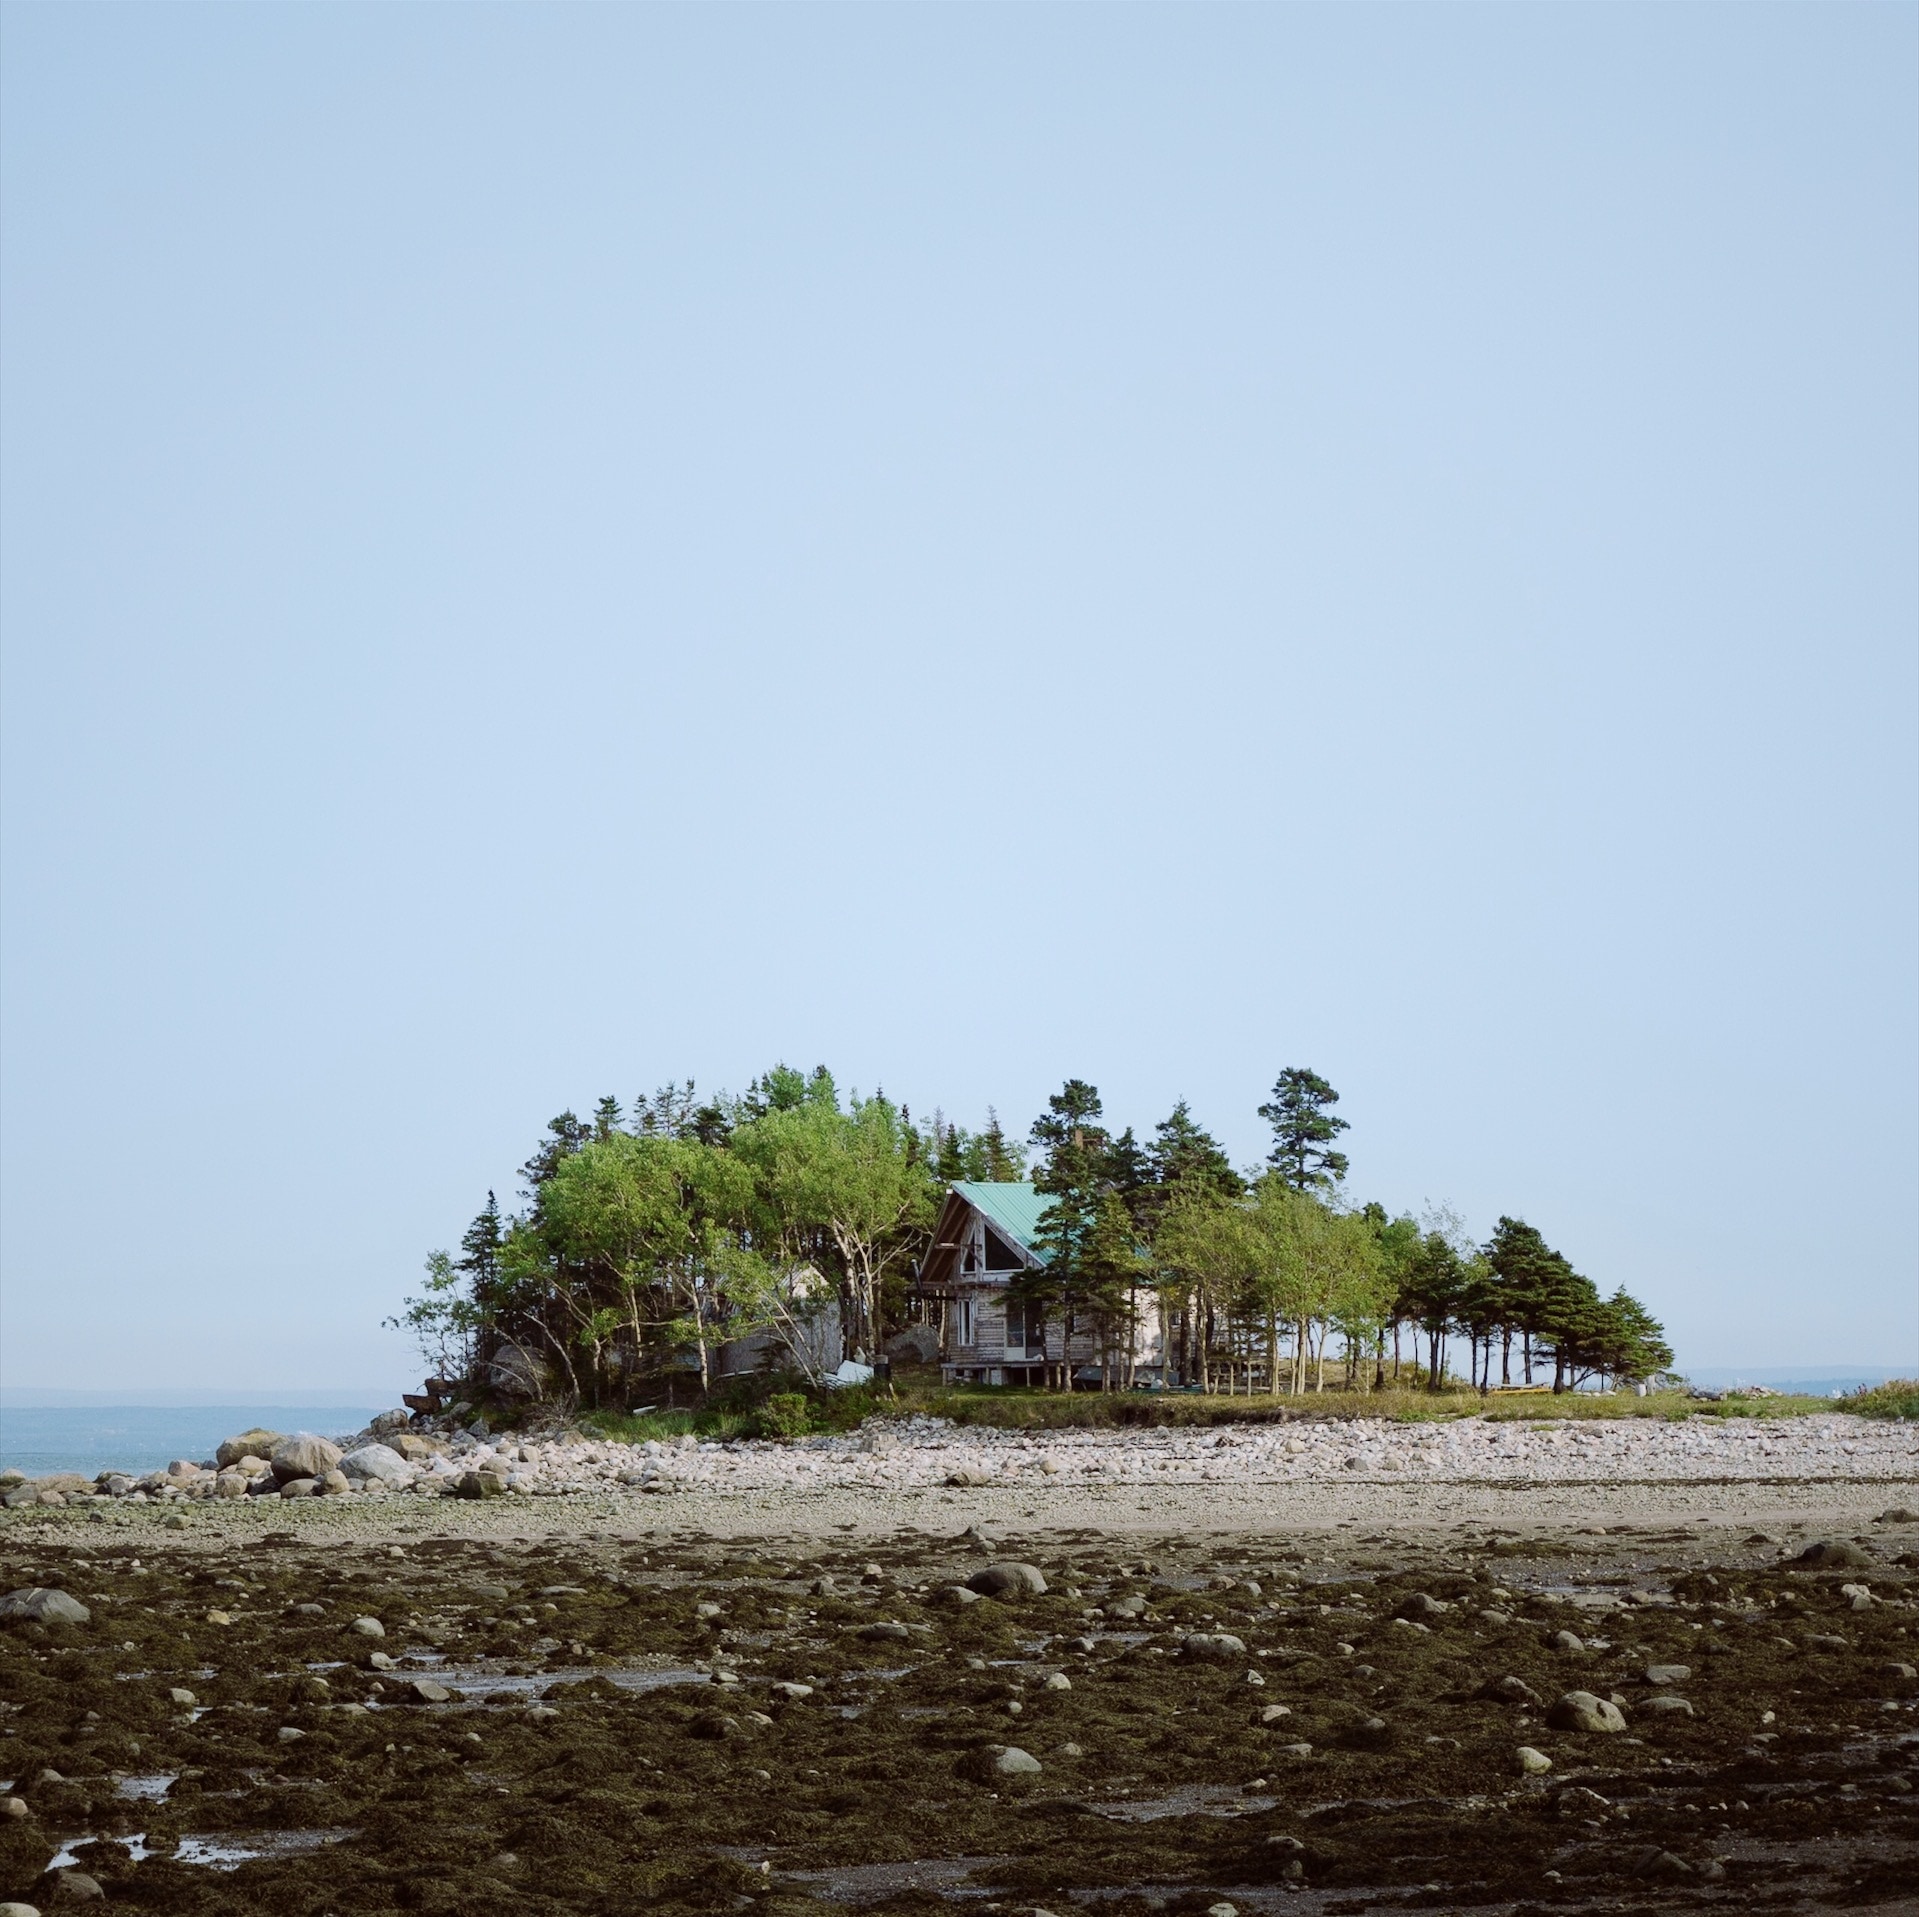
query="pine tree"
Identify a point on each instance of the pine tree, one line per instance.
(1003, 1163)
(1303, 1130)
(606, 1117)
(564, 1136)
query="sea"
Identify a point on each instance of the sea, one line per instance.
(40, 1439)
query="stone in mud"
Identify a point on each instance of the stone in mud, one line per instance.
(1835, 1554)
(1532, 1763)
(1008, 1579)
(14, 1807)
(1899, 1514)
(1893, 1668)
(1010, 1761)
(1825, 1641)
(1664, 1674)
(1511, 1690)
(885, 1630)
(1568, 1643)
(1660, 1863)
(425, 1691)
(256, 1443)
(300, 1488)
(1582, 1711)
(77, 1887)
(40, 1604)
(1272, 1713)
(1215, 1645)
(957, 1596)
(1421, 1605)
(183, 1698)
(1667, 1706)
(380, 1661)
(1059, 1681)
(1132, 1605)
(367, 1627)
(303, 1455)
(796, 1692)
(1293, 1750)
(712, 1726)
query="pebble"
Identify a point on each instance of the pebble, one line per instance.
(1532, 1762)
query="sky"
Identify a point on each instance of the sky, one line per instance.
(550, 549)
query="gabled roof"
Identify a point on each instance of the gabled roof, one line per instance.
(1018, 1210)
(1014, 1211)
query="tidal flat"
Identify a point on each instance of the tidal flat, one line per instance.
(504, 1707)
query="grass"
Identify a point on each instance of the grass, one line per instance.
(1896, 1398)
(738, 1409)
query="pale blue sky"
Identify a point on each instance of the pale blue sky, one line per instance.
(551, 548)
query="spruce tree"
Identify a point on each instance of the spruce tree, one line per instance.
(1304, 1130)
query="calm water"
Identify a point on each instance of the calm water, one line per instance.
(38, 1439)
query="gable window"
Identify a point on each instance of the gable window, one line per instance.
(1000, 1256)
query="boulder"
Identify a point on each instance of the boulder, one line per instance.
(1010, 1761)
(39, 1604)
(378, 1461)
(300, 1488)
(304, 1456)
(1667, 1706)
(1215, 1645)
(479, 1484)
(336, 1484)
(414, 1448)
(383, 1422)
(1835, 1554)
(1007, 1579)
(1420, 1605)
(1532, 1763)
(1582, 1711)
(256, 1443)
(1663, 1674)
(1511, 1690)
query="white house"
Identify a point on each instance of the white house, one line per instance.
(988, 1334)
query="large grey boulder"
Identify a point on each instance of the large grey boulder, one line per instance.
(1582, 1711)
(384, 1421)
(378, 1461)
(257, 1443)
(1007, 1579)
(1217, 1645)
(1836, 1554)
(304, 1456)
(39, 1604)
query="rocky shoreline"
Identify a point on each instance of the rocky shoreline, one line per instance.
(402, 1455)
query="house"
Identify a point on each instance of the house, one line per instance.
(989, 1334)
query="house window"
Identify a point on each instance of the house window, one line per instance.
(962, 1321)
(1000, 1256)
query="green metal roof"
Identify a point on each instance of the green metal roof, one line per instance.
(1017, 1209)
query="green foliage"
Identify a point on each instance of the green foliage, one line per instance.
(1896, 1398)
(785, 1415)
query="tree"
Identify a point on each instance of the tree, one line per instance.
(1210, 1256)
(443, 1321)
(1001, 1161)
(1075, 1172)
(564, 1136)
(848, 1189)
(1304, 1129)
